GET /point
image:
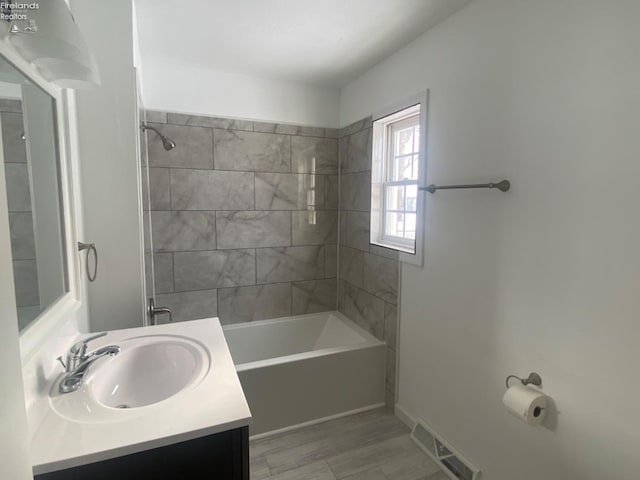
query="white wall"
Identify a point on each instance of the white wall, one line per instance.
(109, 172)
(178, 88)
(542, 278)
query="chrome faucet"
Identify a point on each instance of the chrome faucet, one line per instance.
(78, 361)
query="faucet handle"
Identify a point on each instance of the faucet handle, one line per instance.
(64, 365)
(79, 349)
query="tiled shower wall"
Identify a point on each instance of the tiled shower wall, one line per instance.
(23, 250)
(367, 274)
(244, 217)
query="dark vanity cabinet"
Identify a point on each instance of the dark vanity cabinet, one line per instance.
(222, 456)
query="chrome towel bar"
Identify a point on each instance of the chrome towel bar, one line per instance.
(503, 186)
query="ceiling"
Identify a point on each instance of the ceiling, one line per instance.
(319, 42)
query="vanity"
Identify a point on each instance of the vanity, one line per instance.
(168, 405)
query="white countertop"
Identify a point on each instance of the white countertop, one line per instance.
(213, 405)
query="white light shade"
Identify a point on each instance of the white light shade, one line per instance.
(57, 47)
(67, 74)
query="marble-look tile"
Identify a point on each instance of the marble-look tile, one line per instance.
(314, 155)
(362, 459)
(331, 132)
(13, 146)
(356, 126)
(391, 325)
(313, 296)
(249, 151)
(159, 188)
(212, 122)
(257, 302)
(22, 239)
(381, 277)
(286, 129)
(144, 184)
(25, 277)
(342, 154)
(194, 147)
(253, 229)
(390, 368)
(342, 227)
(211, 190)
(283, 191)
(357, 152)
(183, 231)
(358, 233)
(390, 399)
(289, 264)
(146, 231)
(153, 116)
(342, 285)
(364, 309)
(163, 272)
(315, 228)
(330, 261)
(313, 471)
(384, 252)
(10, 105)
(351, 266)
(414, 467)
(216, 269)
(18, 187)
(330, 189)
(189, 305)
(148, 274)
(259, 468)
(355, 191)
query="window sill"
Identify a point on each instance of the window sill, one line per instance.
(394, 246)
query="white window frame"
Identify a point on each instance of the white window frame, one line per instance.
(392, 127)
(379, 182)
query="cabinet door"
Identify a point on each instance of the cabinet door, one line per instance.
(223, 456)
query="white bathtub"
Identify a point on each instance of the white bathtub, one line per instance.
(298, 370)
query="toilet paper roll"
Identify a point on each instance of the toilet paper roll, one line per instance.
(527, 404)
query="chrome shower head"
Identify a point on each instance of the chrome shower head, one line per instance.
(167, 143)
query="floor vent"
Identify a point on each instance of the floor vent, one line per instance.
(443, 453)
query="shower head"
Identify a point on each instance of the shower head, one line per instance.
(167, 144)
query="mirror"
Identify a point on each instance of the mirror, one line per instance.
(28, 133)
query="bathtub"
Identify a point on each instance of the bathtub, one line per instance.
(306, 368)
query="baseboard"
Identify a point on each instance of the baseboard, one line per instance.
(404, 416)
(315, 421)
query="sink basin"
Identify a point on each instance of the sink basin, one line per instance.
(147, 371)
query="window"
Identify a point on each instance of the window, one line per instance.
(396, 173)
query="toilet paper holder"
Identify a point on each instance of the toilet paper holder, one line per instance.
(533, 379)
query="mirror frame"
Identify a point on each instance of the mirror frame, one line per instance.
(67, 305)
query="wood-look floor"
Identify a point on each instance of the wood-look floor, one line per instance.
(372, 445)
